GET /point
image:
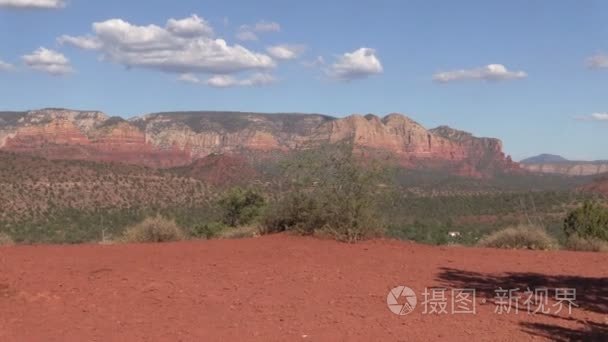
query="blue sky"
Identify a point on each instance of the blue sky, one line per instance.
(532, 73)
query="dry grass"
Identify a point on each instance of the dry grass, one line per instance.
(154, 229)
(576, 243)
(6, 240)
(520, 237)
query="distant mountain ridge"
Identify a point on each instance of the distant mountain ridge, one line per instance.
(544, 158)
(163, 140)
(550, 163)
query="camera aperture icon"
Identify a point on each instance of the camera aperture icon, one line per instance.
(401, 300)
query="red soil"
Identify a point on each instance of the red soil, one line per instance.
(283, 288)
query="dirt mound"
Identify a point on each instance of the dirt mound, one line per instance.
(282, 288)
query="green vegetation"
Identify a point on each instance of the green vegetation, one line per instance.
(590, 221)
(520, 237)
(153, 229)
(240, 207)
(208, 230)
(70, 225)
(328, 191)
(325, 191)
(418, 218)
(430, 219)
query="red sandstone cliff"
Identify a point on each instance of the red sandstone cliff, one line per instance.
(176, 139)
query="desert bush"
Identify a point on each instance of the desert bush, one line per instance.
(207, 230)
(329, 191)
(241, 207)
(590, 221)
(6, 240)
(520, 237)
(153, 229)
(295, 211)
(577, 243)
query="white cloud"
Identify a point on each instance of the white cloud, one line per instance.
(189, 78)
(358, 64)
(49, 61)
(594, 117)
(285, 51)
(192, 26)
(225, 81)
(245, 34)
(598, 61)
(491, 72)
(82, 42)
(600, 116)
(248, 33)
(4, 66)
(32, 3)
(182, 46)
(266, 26)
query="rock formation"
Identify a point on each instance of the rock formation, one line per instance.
(547, 163)
(177, 139)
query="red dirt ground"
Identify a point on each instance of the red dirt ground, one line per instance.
(284, 288)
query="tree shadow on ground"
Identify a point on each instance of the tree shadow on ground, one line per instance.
(592, 332)
(591, 295)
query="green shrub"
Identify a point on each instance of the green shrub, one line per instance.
(519, 237)
(6, 240)
(329, 191)
(577, 243)
(153, 229)
(294, 211)
(241, 207)
(590, 221)
(207, 230)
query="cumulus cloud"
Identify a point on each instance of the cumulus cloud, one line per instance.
(192, 26)
(358, 64)
(227, 81)
(4, 66)
(49, 4)
(49, 61)
(285, 51)
(594, 117)
(82, 42)
(224, 81)
(181, 46)
(249, 33)
(491, 72)
(598, 61)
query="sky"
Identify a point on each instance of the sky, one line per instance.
(532, 73)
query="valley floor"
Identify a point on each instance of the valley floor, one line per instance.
(287, 288)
